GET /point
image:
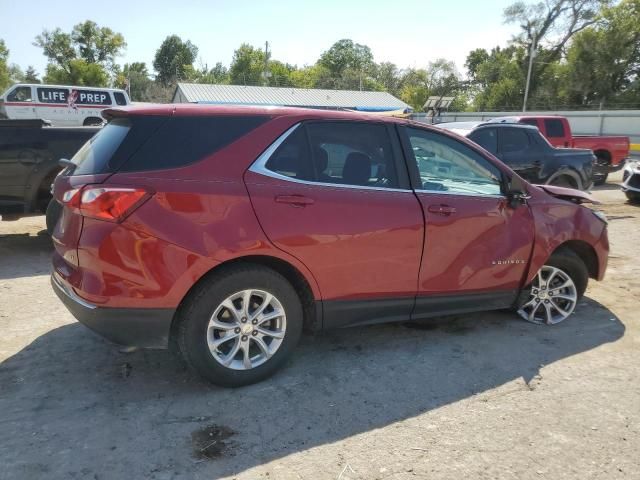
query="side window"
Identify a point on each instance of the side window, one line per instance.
(529, 121)
(352, 153)
(20, 94)
(445, 164)
(513, 140)
(181, 141)
(292, 158)
(554, 127)
(487, 138)
(119, 98)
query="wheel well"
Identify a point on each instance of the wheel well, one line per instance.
(604, 155)
(586, 253)
(91, 121)
(572, 178)
(288, 271)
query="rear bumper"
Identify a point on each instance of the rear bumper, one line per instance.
(133, 327)
(619, 166)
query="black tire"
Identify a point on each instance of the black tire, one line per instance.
(633, 197)
(570, 263)
(52, 215)
(202, 302)
(601, 179)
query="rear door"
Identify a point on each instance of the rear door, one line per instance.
(336, 196)
(476, 246)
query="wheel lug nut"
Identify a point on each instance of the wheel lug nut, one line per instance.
(244, 338)
(243, 319)
(537, 300)
(254, 321)
(237, 330)
(255, 332)
(546, 301)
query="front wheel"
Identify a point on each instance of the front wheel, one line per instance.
(240, 325)
(633, 197)
(556, 289)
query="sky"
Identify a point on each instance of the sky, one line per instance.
(409, 33)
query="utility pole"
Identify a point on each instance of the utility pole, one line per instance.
(266, 63)
(532, 53)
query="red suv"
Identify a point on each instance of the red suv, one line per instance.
(227, 230)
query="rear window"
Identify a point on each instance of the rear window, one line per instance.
(120, 98)
(529, 121)
(94, 155)
(184, 140)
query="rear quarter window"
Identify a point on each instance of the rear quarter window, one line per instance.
(181, 141)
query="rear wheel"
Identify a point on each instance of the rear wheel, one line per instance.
(556, 289)
(603, 161)
(240, 325)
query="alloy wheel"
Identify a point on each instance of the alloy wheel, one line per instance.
(553, 297)
(246, 329)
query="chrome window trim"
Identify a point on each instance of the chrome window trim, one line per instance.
(259, 167)
(446, 192)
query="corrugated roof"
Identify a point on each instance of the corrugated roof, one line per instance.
(287, 96)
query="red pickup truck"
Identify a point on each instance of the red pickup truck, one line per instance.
(611, 151)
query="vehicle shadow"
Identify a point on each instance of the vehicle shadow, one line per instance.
(72, 406)
(24, 255)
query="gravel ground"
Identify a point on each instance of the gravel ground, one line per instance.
(476, 396)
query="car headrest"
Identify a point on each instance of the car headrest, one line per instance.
(357, 169)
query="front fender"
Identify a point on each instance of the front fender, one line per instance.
(557, 223)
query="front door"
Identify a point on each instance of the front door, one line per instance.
(332, 195)
(477, 246)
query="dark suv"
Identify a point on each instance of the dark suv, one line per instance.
(226, 230)
(530, 154)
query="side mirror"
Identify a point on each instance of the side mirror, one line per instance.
(517, 193)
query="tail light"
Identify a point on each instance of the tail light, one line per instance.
(112, 204)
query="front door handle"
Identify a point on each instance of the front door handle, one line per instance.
(441, 209)
(294, 200)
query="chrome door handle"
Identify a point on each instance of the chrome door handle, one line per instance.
(441, 209)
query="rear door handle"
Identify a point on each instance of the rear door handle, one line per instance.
(441, 209)
(294, 200)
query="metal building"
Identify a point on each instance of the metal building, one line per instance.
(288, 96)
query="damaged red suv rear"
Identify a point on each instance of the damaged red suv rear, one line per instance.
(227, 230)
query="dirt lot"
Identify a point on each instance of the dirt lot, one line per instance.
(479, 396)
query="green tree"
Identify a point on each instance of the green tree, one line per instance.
(30, 75)
(134, 77)
(345, 54)
(247, 66)
(603, 61)
(77, 72)
(173, 59)
(85, 56)
(4, 70)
